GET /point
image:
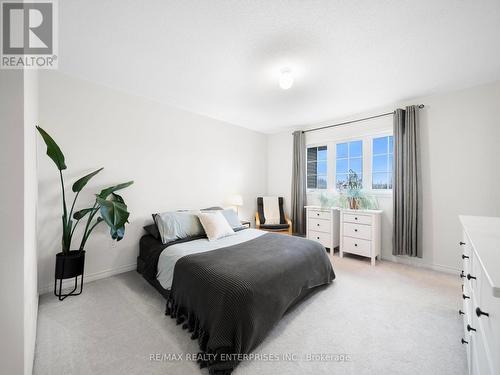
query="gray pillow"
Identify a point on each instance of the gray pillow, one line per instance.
(232, 218)
(178, 225)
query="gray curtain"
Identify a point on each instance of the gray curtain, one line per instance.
(299, 183)
(406, 183)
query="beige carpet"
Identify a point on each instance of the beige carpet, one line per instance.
(389, 319)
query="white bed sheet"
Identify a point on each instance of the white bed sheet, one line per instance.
(173, 253)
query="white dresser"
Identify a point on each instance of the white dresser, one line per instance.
(360, 233)
(323, 226)
(480, 253)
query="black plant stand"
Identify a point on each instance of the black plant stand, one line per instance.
(69, 265)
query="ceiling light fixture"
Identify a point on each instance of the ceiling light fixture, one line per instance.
(286, 78)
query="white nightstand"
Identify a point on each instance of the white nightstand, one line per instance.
(360, 233)
(323, 226)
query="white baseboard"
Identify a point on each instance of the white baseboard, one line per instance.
(89, 277)
(416, 262)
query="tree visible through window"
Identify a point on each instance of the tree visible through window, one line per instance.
(317, 167)
(349, 160)
(382, 160)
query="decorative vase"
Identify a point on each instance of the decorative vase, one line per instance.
(353, 203)
(69, 265)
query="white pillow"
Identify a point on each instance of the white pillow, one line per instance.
(215, 225)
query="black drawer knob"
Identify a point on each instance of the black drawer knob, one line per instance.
(355, 218)
(462, 275)
(317, 238)
(464, 256)
(356, 244)
(469, 328)
(465, 297)
(355, 230)
(479, 313)
(317, 224)
(469, 276)
(464, 342)
(461, 243)
(460, 312)
(317, 214)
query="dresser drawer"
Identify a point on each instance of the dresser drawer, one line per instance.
(490, 325)
(358, 219)
(323, 238)
(320, 225)
(480, 355)
(357, 246)
(358, 231)
(317, 214)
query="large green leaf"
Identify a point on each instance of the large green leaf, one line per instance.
(114, 213)
(53, 150)
(80, 214)
(80, 184)
(106, 192)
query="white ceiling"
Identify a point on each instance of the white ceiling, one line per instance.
(222, 58)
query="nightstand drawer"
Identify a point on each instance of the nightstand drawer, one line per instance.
(358, 231)
(320, 225)
(317, 214)
(323, 238)
(357, 246)
(358, 219)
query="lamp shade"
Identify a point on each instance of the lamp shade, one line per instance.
(236, 200)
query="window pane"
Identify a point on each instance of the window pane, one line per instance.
(379, 146)
(322, 153)
(311, 168)
(341, 150)
(342, 166)
(321, 182)
(391, 163)
(321, 167)
(379, 163)
(391, 144)
(389, 180)
(311, 154)
(356, 165)
(340, 179)
(379, 181)
(355, 148)
(311, 181)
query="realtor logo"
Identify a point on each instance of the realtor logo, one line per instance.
(29, 35)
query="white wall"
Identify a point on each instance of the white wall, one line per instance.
(18, 288)
(459, 134)
(30, 207)
(176, 158)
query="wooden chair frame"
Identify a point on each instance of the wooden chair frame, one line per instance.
(287, 231)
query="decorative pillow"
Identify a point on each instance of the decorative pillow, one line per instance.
(178, 225)
(215, 208)
(215, 225)
(152, 230)
(232, 218)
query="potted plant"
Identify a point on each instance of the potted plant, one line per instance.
(108, 207)
(353, 187)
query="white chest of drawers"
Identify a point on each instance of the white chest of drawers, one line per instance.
(360, 233)
(480, 253)
(323, 226)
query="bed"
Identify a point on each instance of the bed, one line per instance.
(229, 293)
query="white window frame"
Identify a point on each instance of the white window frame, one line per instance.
(357, 139)
(321, 144)
(331, 145)
(371, 163)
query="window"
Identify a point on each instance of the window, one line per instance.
(349, 160)
(382, 159)
(317, 167)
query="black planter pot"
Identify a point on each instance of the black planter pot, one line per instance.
(69, 265)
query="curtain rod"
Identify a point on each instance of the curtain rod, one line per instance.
(353, 121)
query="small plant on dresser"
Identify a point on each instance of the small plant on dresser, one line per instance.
(108, 207)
